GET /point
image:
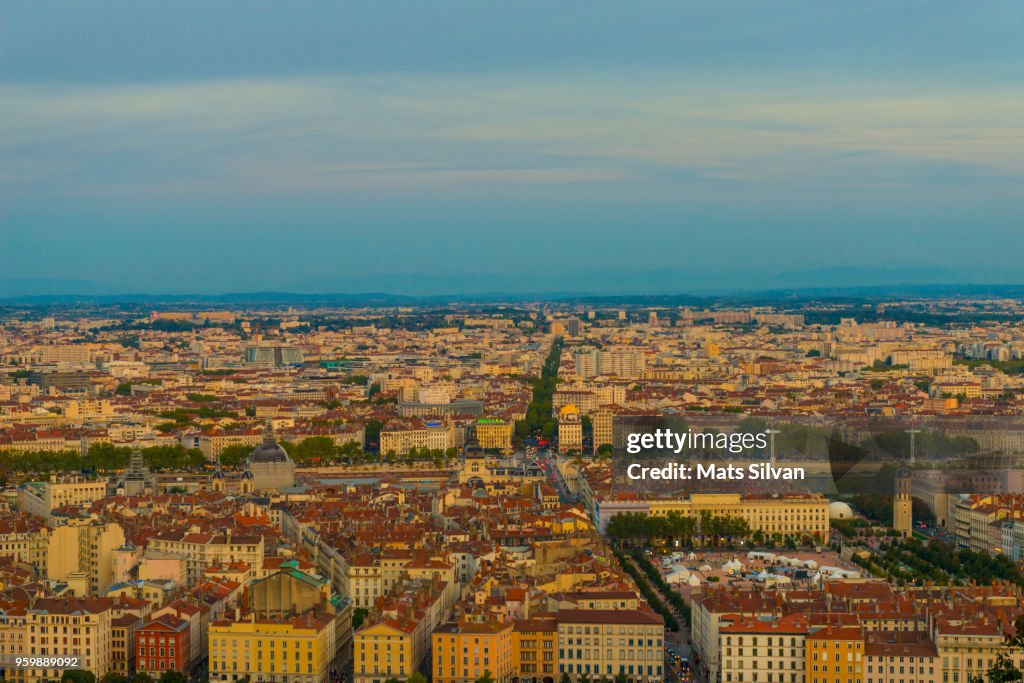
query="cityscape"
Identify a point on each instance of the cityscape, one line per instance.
(374, 494)
(511, 342)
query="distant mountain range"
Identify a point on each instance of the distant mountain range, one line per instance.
(682, 287)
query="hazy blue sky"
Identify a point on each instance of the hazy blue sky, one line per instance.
(225, 146)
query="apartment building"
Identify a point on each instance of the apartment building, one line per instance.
(82, 554)
(535, 647)
(493, 433)
(835, 654)
(598, 642)
(401, 438)
(464, 650)
(40, 498)
(207, 549)
(58, 627)
(163, 644)
(901, 657)
(298, 649)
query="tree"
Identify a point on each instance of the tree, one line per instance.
(315, 449)
(173, 677)
(417, 677)
(486, 678)
(358, 616)
(1004, 671)
(78, 676)
(113, 677)
(565, 678)
(143, 677)
(234, 455)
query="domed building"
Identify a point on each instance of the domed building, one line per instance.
(837, 509)
(270, 467)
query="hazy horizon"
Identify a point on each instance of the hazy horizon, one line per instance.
(605, 146)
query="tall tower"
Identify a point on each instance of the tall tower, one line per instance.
(902, 503)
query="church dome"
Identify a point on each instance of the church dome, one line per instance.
(269, 452)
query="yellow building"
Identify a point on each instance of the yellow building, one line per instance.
(494, 432)
(387, 649)
(602, 421)
(464, 651)
(835, 654)
(299, 649)
(785, 515)
(534, 648)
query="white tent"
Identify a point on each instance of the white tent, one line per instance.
(733, 566)
(705, 568)
(693, 580)
(678, 575)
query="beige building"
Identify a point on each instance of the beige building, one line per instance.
(41, 498)
(901, 657)
(214, 442)
(86, 550)
(570, 429)
(605, 643)
(79, 627)
(432, 435)
(753, 650)
(21, 541)
(205, 549)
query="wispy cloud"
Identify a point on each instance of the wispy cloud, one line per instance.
(293, 137)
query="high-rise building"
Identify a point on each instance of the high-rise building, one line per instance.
(602, 421)
(624, 363)
(273, 355)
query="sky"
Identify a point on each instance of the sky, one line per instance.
(420, 147)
